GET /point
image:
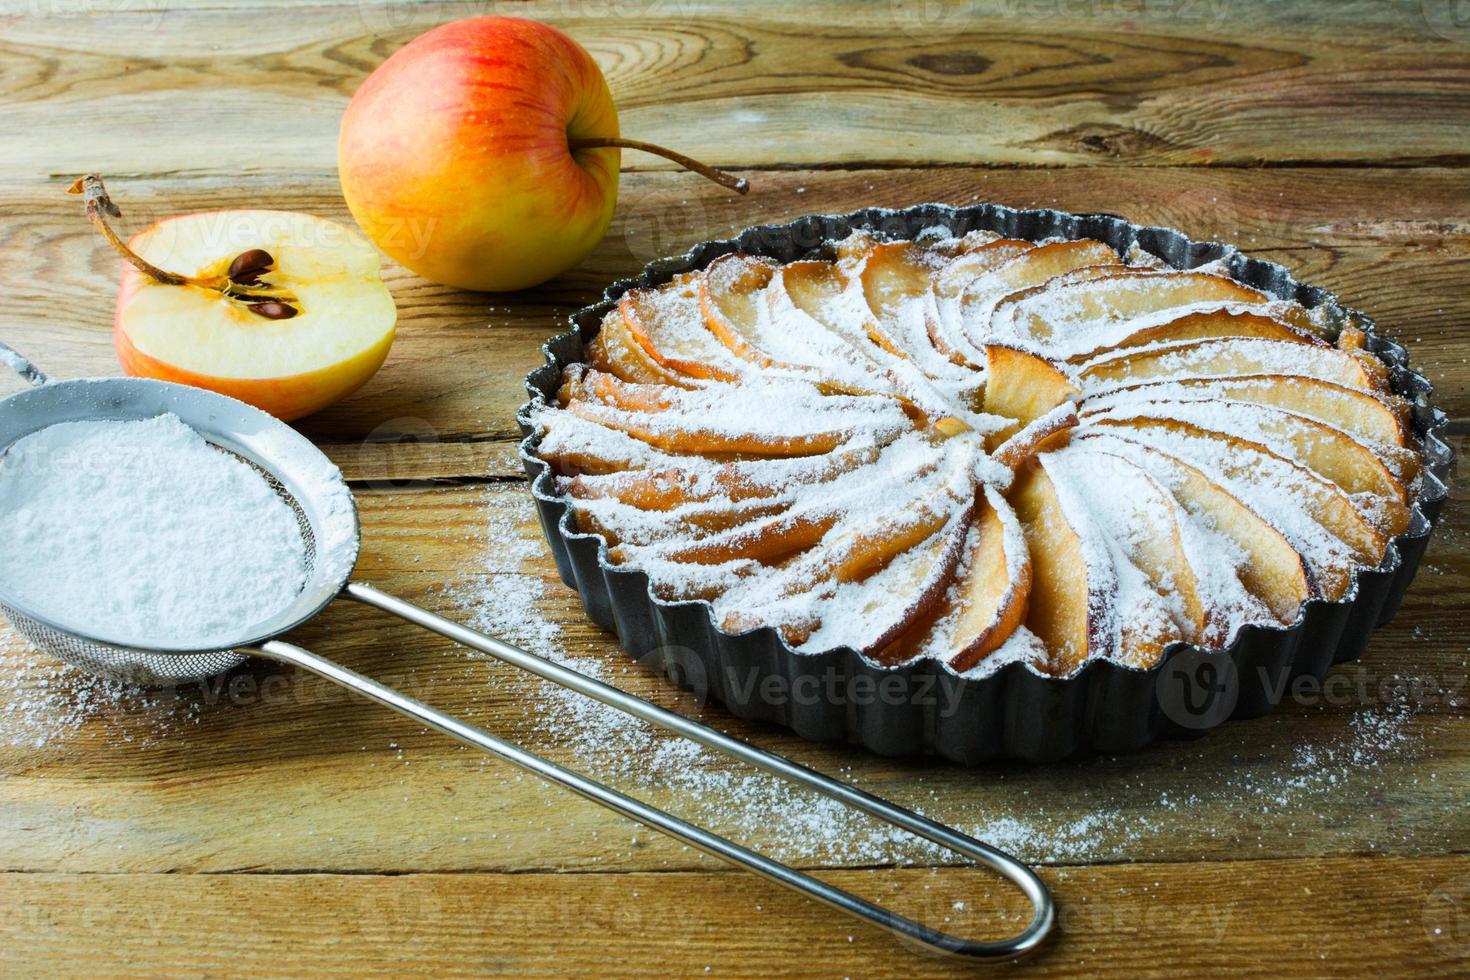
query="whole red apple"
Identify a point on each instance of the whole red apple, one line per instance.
(484, 154)
(454, 154)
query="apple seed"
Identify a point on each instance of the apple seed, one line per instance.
(265, 299)
(248, 266)
(273, 310)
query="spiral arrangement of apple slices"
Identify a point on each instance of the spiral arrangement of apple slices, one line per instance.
(982, 450)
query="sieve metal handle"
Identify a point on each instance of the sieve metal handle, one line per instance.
(1043, 910)
(18, 363)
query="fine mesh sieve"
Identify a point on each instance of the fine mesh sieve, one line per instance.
(316, 492)
(297, 471)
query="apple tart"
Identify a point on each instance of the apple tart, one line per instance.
(979, 449)
(1046, 481)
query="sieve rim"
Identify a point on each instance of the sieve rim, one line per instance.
(310, 479)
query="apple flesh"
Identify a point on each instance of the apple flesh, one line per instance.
(454, 155)
(336, 340)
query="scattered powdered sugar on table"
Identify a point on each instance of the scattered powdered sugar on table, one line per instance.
(505, 591)
(141, 532)
(45, 702)
(498, 595)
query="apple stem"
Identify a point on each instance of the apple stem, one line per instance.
(99, 204)
(737, 184)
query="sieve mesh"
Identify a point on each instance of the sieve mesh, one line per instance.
(121, 663)
(298, 473)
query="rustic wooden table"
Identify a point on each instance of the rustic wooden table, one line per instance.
(270, 824)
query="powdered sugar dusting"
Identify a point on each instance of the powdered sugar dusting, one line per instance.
(140, 532)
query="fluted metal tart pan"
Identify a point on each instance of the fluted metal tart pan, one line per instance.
(1014, 712)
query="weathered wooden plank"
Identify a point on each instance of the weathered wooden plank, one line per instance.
(279, 771)
(1393, 243)
(1036, 86)
(1251, 918)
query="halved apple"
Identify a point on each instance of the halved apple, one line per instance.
(324, 333)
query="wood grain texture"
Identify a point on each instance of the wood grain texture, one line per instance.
(456, 370)
(1038, 84)
(1251, 918)
(280, 771)
(267, 823)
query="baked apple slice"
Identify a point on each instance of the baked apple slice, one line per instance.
(728, 292)
(614, 351)
(1326, 450)
(949, 282)
(905, 471)
(1373, 418)
(692, 479)
(1035, 267)
(1062, 590)
(754, 317)
(1139, 517)
(1316, 516)
(1206, 325)
(895, 279)
(828, 296)
(1232, 357)
(1022, 387)
(1050, 431)
(668, 324)
(878, 524)
(1076, 310)
(625, 526)
(573, 445)
(952, 277)
(865, 615)
(1273, 570)
(985, 603)
(732, 418)
(988, 317)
